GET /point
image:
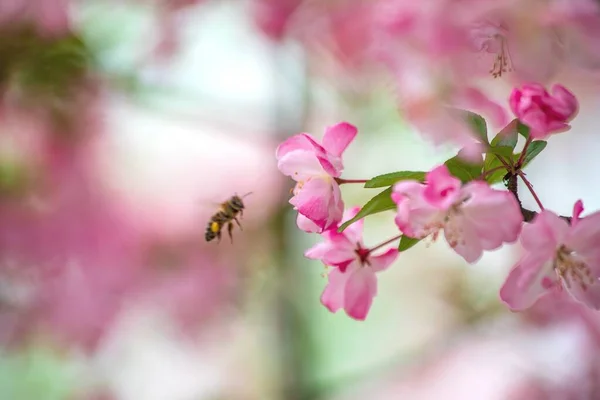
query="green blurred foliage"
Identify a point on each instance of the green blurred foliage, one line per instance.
(36, 373)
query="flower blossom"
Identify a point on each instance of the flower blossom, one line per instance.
(474, 217)
(50, 17)
(352, 282)
(272, 17)
(543, 112)
(314, 167)
(557, 255)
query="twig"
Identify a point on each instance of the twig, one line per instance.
(528, 184)
(372, 249)
(490, 171)
(523, 152)
(528, 215)
(341, 181)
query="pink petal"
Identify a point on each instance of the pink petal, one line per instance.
(329, 167)
(488, 219)
(338, 137)
(410, 189)
(590, 296)
(333, 236)
(463, 238)
(305, 142)
(331, 164)
(534, 56)
(528, 280)
(320, 150)
(414, 213)
(584, 239)
(318, 251)
(300, 165)
(333, 295)
(545, 233)
(336, 206)
(416, 218)
(577, 210)
(566, 103)
(307, 225)
(332, 253)
(383, 261)
(296, 142)
(416, 222)
(354, 232)
(313, 200)
(361, 287)
(442, 189)
(514, 101)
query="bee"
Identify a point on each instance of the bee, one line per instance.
(227, 213)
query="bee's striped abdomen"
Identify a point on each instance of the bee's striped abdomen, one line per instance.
(214, 226)
(228, 212)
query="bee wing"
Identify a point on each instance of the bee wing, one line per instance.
(211, 203)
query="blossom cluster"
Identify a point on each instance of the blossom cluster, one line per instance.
(440, 53)
(455, 199)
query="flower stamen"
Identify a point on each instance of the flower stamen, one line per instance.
(571, 269)
(502, 61)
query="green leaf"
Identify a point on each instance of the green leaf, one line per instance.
(463, 170)
(534, 149)
(494, 177)
(504, 151)
(477, 124)
(523, 130)
(407, 242)
(508, 136)
(393, 177)
(379, 203)
(502, 145)
(475, 121)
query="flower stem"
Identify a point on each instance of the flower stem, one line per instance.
(530, 187)
(491, 171)
(342, 181)
(372, 249)
(523, 153)
(509, 167)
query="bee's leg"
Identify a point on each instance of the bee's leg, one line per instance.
(238, 223)
(241, 213)
(229, 230)
(218, 236)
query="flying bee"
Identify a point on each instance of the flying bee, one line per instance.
(228, 212)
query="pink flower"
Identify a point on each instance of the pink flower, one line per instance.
(273, 16)
(317, 195)
(50, 17)
(428, 96)
(352, 283)
(474, 217)
(514, 44)
(543, 112)
(557, 254)
(578, 22)
(307, 225)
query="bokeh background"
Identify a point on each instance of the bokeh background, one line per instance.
(124, 124)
